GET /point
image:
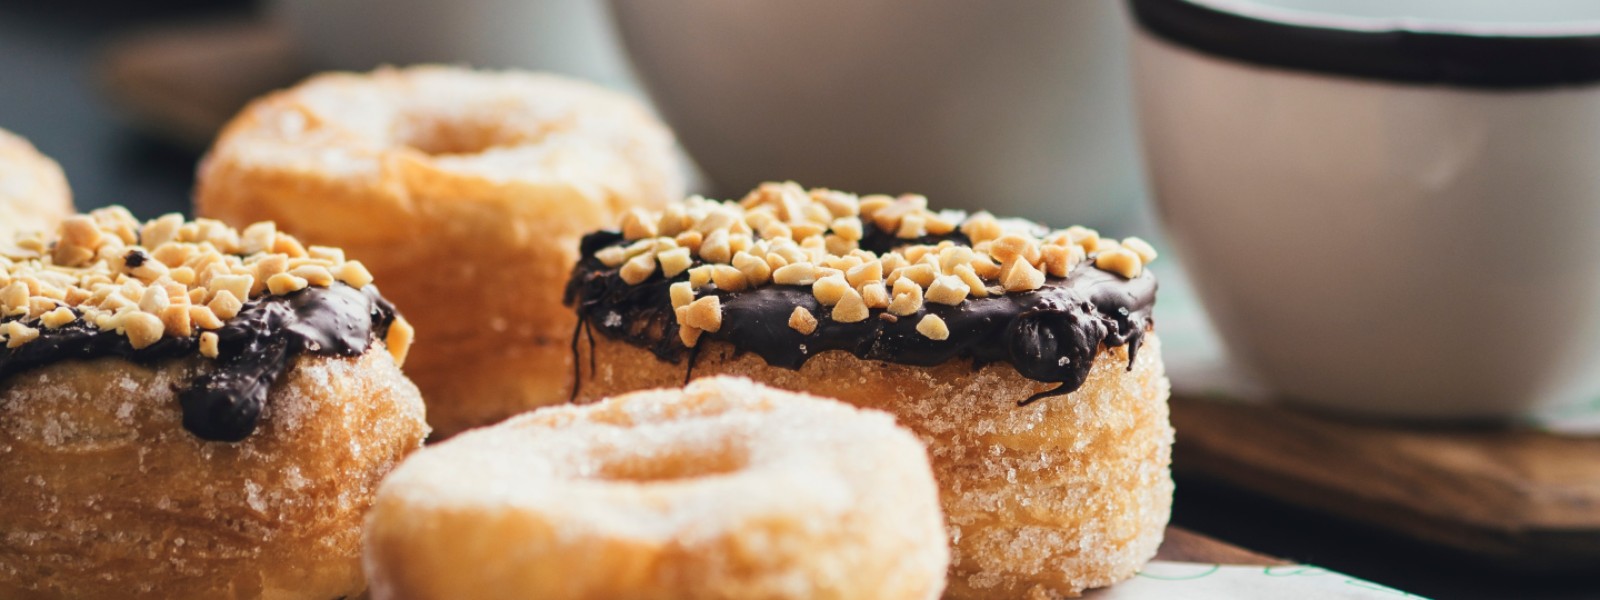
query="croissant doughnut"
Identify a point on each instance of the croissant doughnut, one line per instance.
(33, 191)
(1022, 357)
(191, 412)
(444, 182)
(723, 489)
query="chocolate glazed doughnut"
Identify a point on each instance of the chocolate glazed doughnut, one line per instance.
(1025, 358)
(188, 412)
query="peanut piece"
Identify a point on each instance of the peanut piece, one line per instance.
(675, 261)
(851, 308)
(705, 313)
(1021, 276)
(933, 327)
(143, 329)
(638, 269)
(1121, 261)
(830, 290)
(1146, 252)
(801, 320)
(947, 289)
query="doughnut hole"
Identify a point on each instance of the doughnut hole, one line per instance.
(456, 133)
(673, 464)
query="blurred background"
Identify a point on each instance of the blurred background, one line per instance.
(1034, 122)
(1024, 108)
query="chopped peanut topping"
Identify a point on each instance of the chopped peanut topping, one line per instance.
(1059, 260)
(675, 261)
(802, 321)
(907, 298)
(208, 344)
(830, 290)
(1121, 261)
(17, 334)
(202, 316)
(225, 305)
(933, 327)
(1146, 252)
(705, 314)
(689, 335)
(795, 274)
(756, 270)
(284, 283)
(161, 278)
(947, 289)
(851, 308)
(638, 269)
(682, 293)
(729, 279)
(782, 234)
(58, 318)
(1021, 277)
(143, 329)
(875, 294)
(401, 334)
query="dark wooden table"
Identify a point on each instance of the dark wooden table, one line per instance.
(48, 93)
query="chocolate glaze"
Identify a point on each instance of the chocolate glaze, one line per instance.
(254, 349)
(1051, 334)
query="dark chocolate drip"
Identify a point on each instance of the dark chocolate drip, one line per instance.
(1051, 334)
(254, 349)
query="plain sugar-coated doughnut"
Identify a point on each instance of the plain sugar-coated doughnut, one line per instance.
(723, 489)
(451, 183)
(33, 191)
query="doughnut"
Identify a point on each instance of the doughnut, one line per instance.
(447, 181)
(1024, 357)
(190, 411)
(723, 489)
(33, 191)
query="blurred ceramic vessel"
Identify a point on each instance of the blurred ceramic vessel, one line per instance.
(1386, 216)
(573, 37)
(1019, 107)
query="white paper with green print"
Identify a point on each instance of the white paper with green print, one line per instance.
(1166, 580)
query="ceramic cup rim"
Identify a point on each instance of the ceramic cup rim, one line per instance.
(1511, 55)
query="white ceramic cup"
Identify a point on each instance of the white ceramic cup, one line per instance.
(1020, 107)
(1387, 216)
(572, 37)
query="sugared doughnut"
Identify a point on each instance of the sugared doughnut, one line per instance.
(450, 183)
(187, 411)
(724, 489)
(1023, 357)
(33, 191)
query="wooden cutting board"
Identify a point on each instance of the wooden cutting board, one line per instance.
(1520, 498)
